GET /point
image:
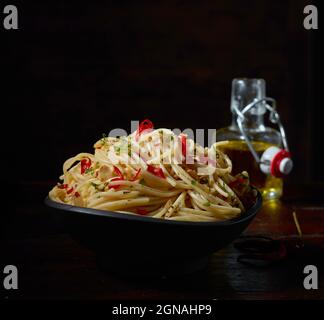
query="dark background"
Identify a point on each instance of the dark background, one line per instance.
(77, 70)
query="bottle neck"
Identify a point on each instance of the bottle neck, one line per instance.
(252, 122)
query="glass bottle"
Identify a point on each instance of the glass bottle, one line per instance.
(244, 92)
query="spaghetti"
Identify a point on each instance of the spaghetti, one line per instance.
(155, 173)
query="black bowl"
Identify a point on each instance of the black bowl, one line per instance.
(137, 245)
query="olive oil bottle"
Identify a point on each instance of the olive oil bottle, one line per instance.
(250, 140)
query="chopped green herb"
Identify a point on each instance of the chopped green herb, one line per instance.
(90, 170)
(129, 149)
(122, 148)
(142, 181)
(193, 182)
(98, 187)
(207, 204)
(104, 139)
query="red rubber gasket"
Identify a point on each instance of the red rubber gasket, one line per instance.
(275, 163)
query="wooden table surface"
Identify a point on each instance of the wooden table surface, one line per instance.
(52, 265)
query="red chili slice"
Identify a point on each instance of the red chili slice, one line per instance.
(77, 194)
(156, 171)
(142, 211)
(236, 182)
(70, 190)
(62, 186)
(115, 179)
(85, 164)
(119, 173)
(183, 140)
(145, 125)
(136, 174)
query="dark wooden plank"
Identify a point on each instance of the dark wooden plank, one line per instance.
(54, 266)
(58, 268)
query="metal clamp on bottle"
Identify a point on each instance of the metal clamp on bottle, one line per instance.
(274, 161)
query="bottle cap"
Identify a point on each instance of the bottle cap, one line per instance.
(276, 161)
(286, 166)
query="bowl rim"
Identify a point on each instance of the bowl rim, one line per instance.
(252, 211)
